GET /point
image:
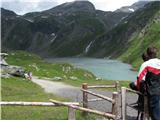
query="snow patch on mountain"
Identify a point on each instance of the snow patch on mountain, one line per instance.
(131, 9)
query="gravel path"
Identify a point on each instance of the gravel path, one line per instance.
(75, 95)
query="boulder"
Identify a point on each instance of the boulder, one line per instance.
(13, 70)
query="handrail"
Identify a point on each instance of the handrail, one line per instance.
(137, 92)
(109, 86)
(100, 96)
(107, 115)
(22, 103)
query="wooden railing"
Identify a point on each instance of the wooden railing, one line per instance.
(119, 95)
(48, 104)
(114, 100)
(22, 103)
(124, 104)
(72, 106)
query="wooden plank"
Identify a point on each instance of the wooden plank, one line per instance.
(133, 91)
(123, 103)
(108, 86)
(115, 106)
(22, 103)
(107, 115)
(94, 100)
(85, 99)
(118, 88)
(71, 114)
(100, 96)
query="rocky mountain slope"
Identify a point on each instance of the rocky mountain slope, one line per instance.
(65, 30)
(116, 41)
(75, 29)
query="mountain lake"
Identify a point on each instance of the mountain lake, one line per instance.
(101, 68)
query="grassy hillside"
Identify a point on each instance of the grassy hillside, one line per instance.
(116, 41)
(39, 67)
(148, 36)
(42, 69)
(18, 89)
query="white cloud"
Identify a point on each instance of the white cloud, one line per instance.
(24, 6)
(111, 5)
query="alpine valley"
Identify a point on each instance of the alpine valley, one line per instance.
(78, 29)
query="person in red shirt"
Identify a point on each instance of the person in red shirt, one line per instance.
(140, 101)
(150, 73)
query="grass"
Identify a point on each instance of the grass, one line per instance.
(39, 67)
(149, 36)
(17, 89)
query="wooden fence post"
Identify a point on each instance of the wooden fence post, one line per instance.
(85, 98)
(117, 86)
(115, 106)
(123, 103)
(146, 111)
(71, 114)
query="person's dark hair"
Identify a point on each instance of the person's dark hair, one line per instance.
(152, 52)
(145, 57)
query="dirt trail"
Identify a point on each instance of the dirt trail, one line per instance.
(75, 95)
(59, 88)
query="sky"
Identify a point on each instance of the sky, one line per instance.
(24, 6)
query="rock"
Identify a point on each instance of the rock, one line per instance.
(73, 78)
(57, 78)
(5, 75)
(17, 71)
(10, 69)
(2, 58)
(66, 69)
(13, 70)
(88, 75)
(98, 79)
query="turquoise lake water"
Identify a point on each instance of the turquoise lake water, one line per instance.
(101, 68)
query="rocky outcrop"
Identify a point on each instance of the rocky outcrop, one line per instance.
(8, 70)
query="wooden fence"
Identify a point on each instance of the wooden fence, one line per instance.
(114, 100)
(48, 104)
(119, 95)
(72, 106)
(124, 104)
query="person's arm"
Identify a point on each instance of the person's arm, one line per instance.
(141, 75)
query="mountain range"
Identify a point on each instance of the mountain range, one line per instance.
(78, 29)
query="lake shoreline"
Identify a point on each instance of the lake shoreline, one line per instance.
(102, 68)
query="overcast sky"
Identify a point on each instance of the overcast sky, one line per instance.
(24, 6)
